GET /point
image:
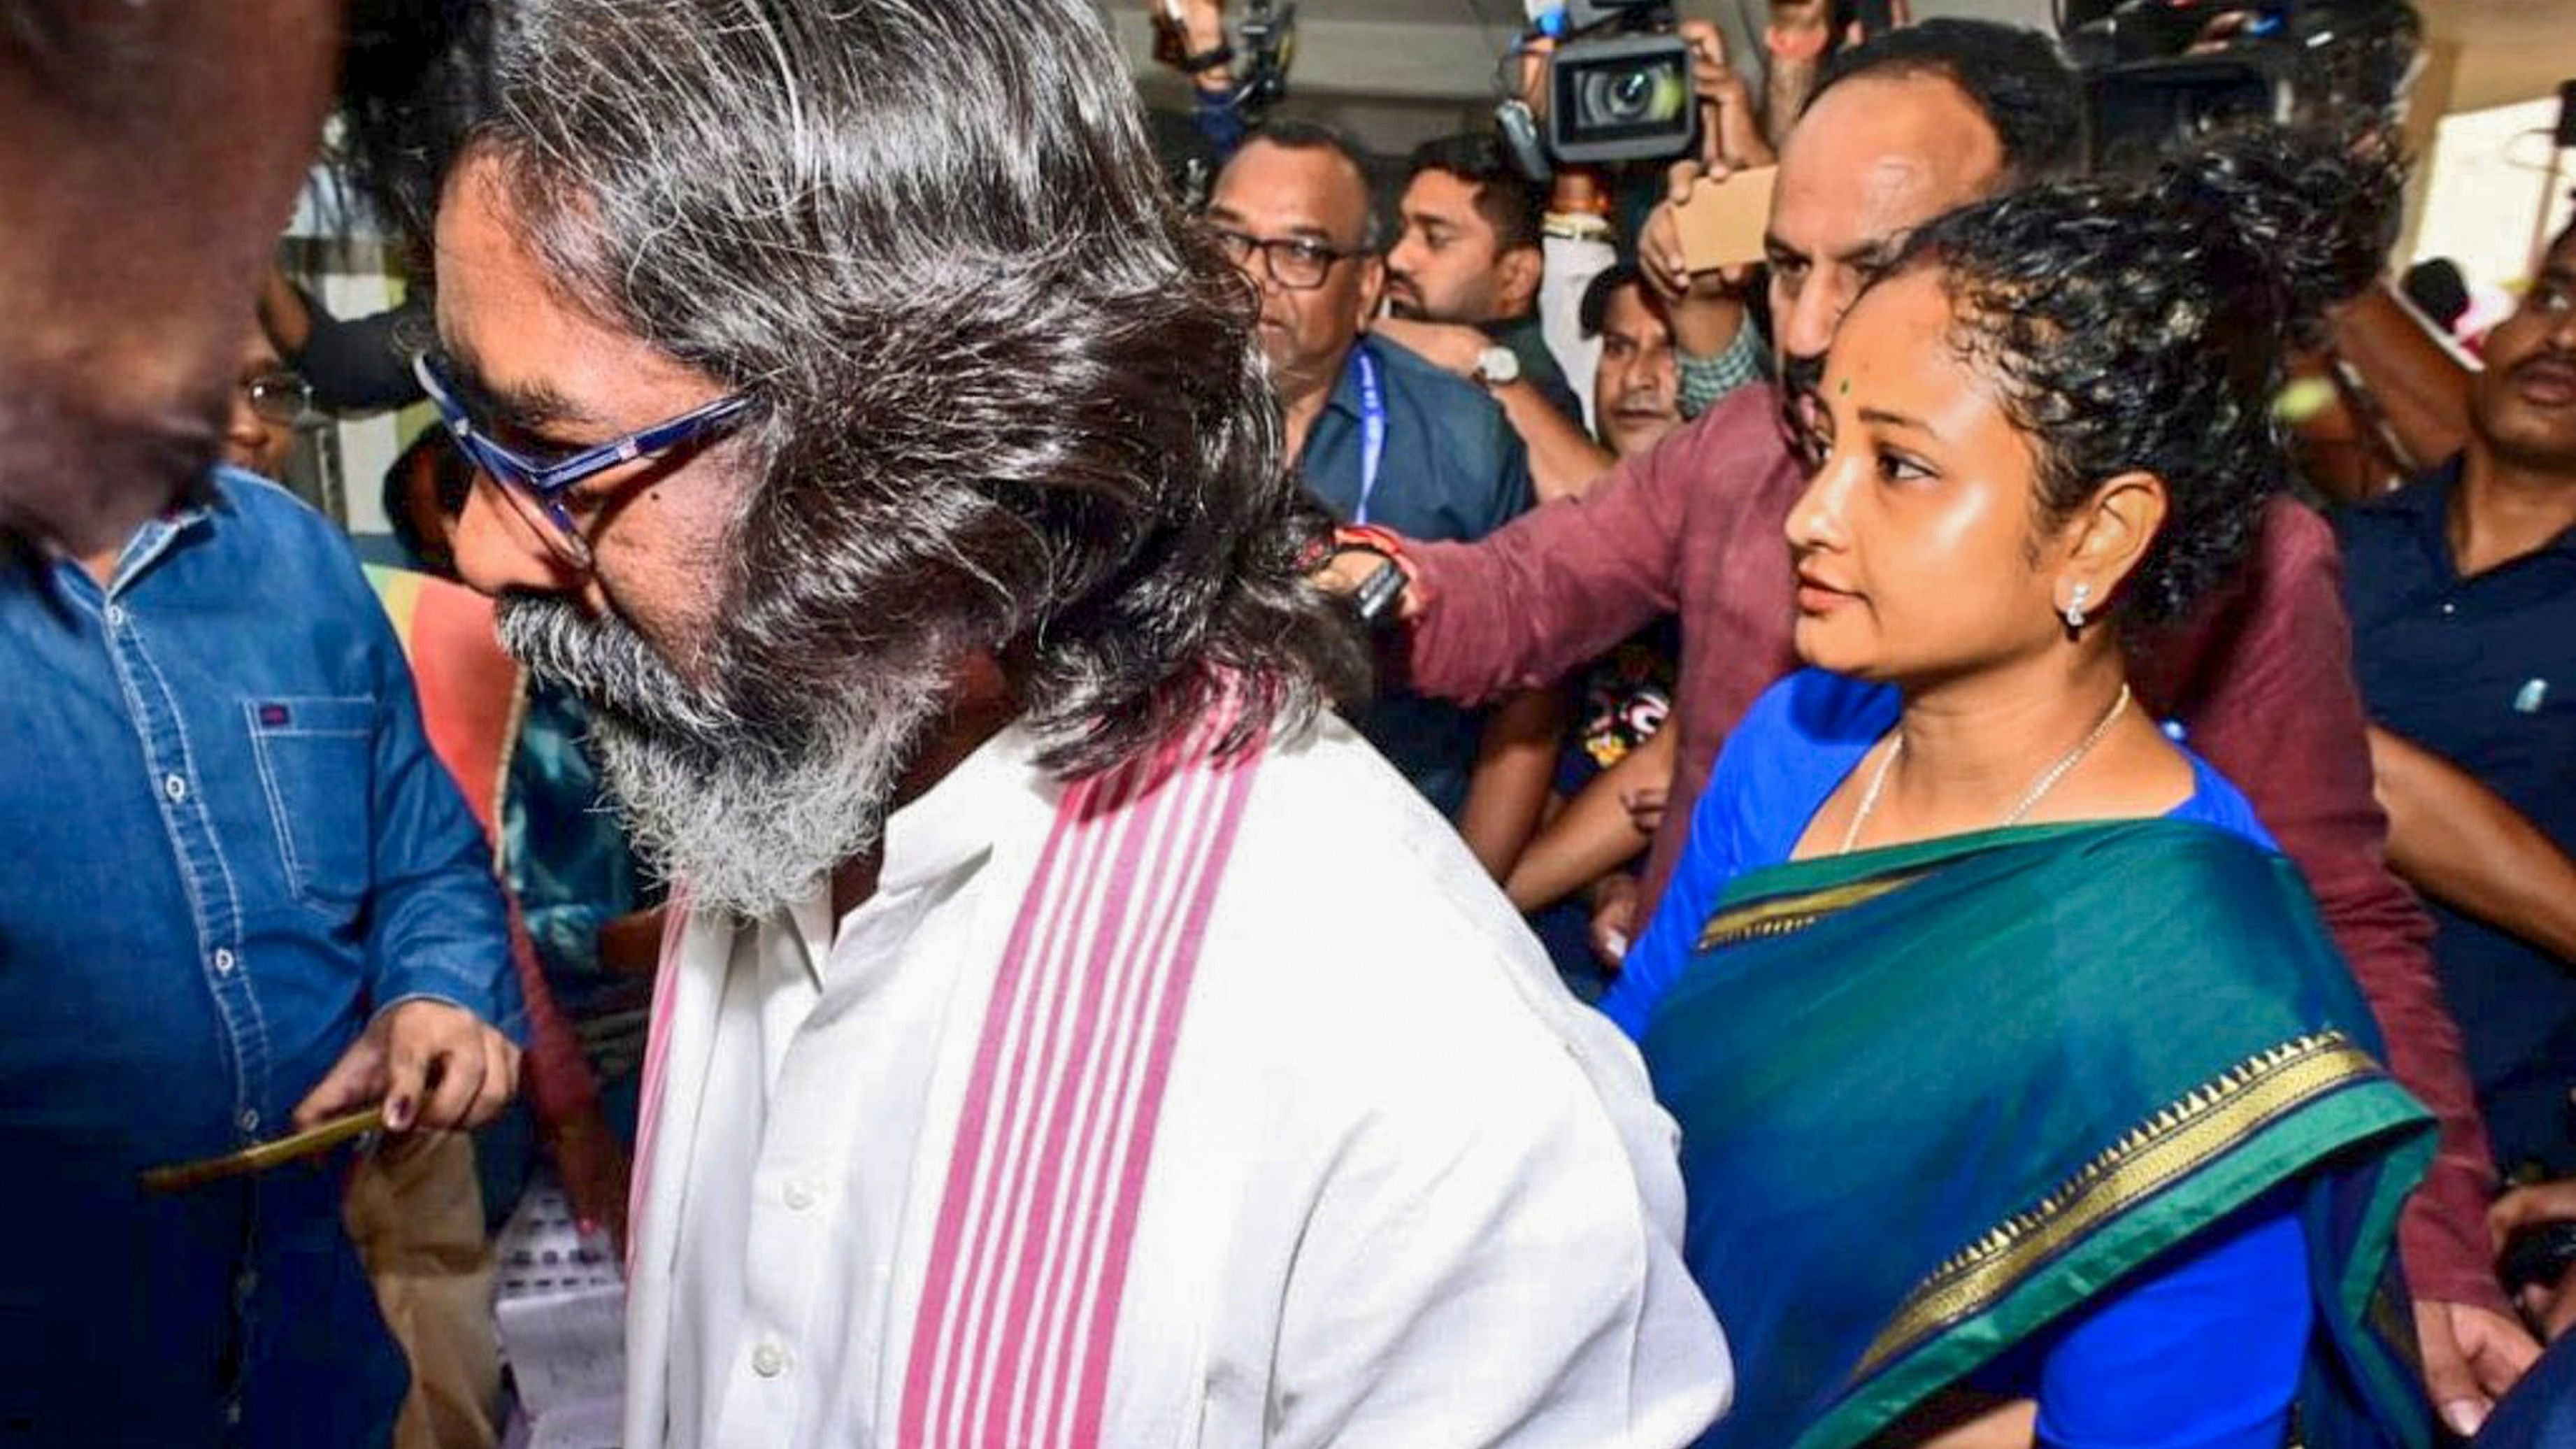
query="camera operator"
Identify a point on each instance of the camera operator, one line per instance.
(1718, 353)
(1716, 342)
(1189, 36)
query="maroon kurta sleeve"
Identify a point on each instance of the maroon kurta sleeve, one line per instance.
(1693, 528)
(1557, 586)
(2265, 683)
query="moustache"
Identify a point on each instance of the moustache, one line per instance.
(2556, 359)
(610, 666)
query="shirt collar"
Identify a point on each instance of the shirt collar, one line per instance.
(950, 828)
(999, 790)
(2427, 502)
(210, 496)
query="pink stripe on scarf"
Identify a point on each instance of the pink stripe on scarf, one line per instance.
(657, 1050)
(1013, 1339)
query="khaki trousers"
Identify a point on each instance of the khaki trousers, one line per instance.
(416, 1215)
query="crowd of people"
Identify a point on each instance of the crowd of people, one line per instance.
(1361, 809)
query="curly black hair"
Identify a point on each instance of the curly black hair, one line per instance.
(2141, 325)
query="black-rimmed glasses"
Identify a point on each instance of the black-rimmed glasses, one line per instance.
(278, 396)
(536, 487)
(1298, 263)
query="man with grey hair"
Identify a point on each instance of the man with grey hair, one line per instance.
(868, 440)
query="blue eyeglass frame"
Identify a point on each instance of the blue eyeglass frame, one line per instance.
(542, 486)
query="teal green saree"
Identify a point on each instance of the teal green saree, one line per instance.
(1935, 1097)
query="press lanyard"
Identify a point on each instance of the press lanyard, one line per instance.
(1372, 428)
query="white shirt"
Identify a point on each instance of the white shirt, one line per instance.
(1405, 1191)
(1571, 264)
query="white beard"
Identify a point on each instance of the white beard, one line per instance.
(749, 816)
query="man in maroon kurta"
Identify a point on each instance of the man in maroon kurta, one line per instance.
(2261, 681)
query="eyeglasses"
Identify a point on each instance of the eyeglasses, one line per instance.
(278, 396)
(1293, 262)
(536, 488)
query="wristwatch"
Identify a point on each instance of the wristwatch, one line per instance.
(1498, 366)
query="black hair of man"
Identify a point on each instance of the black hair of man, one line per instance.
(1290, 134)
(1595, 307)
(1504, 198)
(2018, 78)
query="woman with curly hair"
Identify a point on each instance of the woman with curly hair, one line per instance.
(2022, 1093)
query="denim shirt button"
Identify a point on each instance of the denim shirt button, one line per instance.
(249, 1119)
(224, 960)
(175, 787)
(116, 616)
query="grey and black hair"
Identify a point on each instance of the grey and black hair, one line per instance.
(1005, 394)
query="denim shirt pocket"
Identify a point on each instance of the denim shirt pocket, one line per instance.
(317, 764)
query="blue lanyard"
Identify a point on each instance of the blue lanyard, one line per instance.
(1372, 429)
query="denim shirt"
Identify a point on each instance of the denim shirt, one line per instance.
(227, 845)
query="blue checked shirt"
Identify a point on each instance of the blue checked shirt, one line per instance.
(228, 845)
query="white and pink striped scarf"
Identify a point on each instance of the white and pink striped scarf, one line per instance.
(1012, 1339)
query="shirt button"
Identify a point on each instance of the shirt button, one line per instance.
(800, 1194)
(116, 616)
(174, 787)
(249, 1119)
(224, 961)
(2449, 608)
(768, 1360)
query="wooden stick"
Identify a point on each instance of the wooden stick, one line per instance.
(263, 1156)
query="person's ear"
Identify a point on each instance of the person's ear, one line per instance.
(2109, 537)
(1516, 275)
(1372, 289)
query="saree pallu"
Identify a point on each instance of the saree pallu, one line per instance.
(1933, 1097)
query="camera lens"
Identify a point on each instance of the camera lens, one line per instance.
(1626, 98)
(1632, 95)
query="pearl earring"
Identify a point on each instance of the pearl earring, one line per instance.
(2075, 606)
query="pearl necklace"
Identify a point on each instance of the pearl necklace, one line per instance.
(2046, 782)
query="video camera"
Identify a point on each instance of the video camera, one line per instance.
(2163, 71)
(1618, 87)
(1261, 64)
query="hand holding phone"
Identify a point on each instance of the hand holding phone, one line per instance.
(1723, 220)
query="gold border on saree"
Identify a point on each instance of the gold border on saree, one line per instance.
(1781, 915)
(2178, 1140)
